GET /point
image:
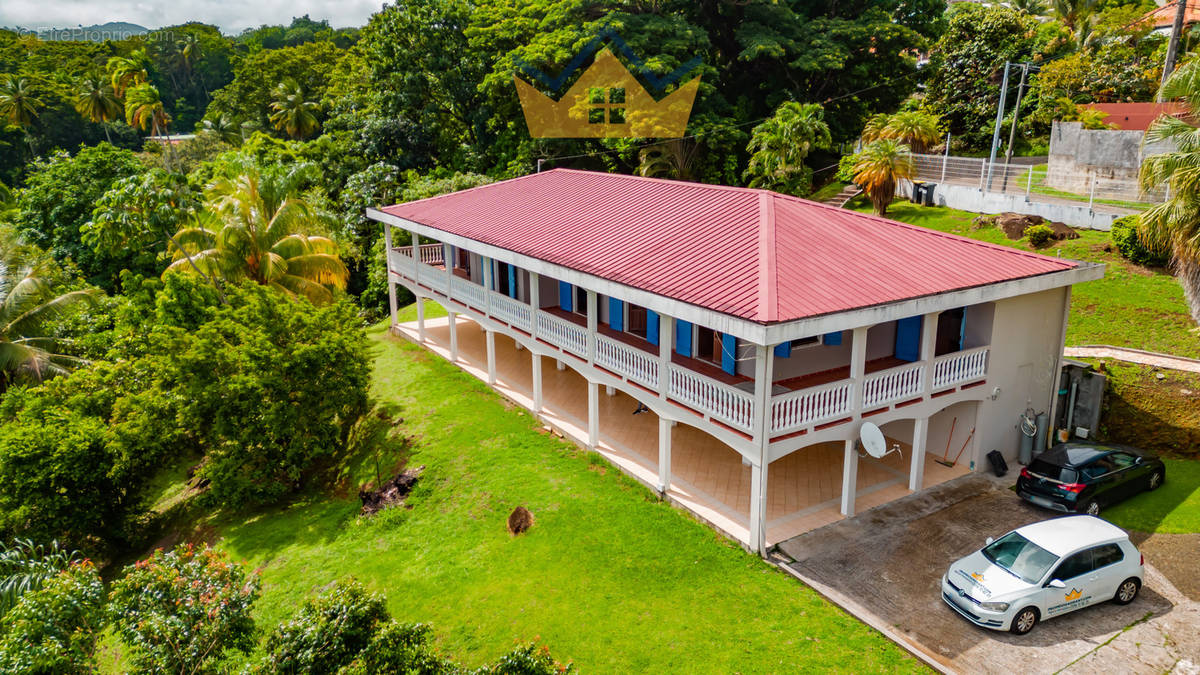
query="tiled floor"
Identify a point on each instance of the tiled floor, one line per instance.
(708, 477)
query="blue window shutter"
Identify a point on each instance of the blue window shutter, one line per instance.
(683, 337)
(962, 329)
(512, 281)
(565, 296)
(616, 314)
(652, 327)
(783, 350)
(729, 354)
(832, 338)
(908, 339)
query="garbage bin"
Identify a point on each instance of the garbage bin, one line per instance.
(927, 191)
(918, 190)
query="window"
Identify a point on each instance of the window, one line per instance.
(708, 344)
(606, 104)
(949, 331)
(1122, 460)
(580, 301)
(1073, 566)
(806, 342)
(1020, 556)
(1099, 467)
(1053, 471)
(636, 322)
(1106, 555)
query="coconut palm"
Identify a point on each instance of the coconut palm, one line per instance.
(1175, 224)
(27, 308)
(126, 73)
(224, 128)
(144, 109)
(292, 113)
(96, 101)
(879, 167)
(1073, 13)
(779, 145)
(18, 105)
(918, 130)
(253, 229)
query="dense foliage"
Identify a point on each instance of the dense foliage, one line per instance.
(54, 629)
(1126, 237)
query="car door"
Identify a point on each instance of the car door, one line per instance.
(1128, 477)
(1107, 572)
(1100, 477)
(1074, 571)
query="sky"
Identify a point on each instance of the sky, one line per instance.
(231, 15)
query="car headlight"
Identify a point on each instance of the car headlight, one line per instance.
(994, 606)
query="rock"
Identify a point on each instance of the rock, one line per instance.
(519, 520)
(1062, 231)
(1014, 224)
(390, 493)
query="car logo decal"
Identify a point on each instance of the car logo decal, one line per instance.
(977, 576)
(1073, 595)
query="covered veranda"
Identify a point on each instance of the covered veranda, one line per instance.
(708, 478)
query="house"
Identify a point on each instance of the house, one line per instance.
(759, 331)
(1161, 19)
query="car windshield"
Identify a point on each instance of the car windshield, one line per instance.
(1020, 556)
(1053, 471)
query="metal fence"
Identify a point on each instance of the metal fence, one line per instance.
(1028, 180)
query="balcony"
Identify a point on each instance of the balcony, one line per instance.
(799, 405)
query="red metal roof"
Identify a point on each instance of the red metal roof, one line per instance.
(1137, 116)
(1164, 16)
(753, 254)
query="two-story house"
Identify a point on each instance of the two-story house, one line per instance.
(752, 333)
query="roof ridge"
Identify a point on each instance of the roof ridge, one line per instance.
(768, 297)
(672, 181)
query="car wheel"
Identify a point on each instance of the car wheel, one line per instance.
(1092, 508)
(1127, 591)
(1024, 621)
(1156, 480)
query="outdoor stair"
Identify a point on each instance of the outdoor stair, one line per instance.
(849, 192)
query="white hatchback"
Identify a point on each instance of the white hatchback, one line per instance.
(1044, 570)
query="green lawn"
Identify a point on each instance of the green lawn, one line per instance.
(1172, 508)
(1132, 306)
(608, 577)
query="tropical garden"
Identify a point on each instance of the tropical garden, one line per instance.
(194, 385)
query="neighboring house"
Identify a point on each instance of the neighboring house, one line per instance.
(770, 328)
(1162, 18)
(1105, 160)
(1136, 116)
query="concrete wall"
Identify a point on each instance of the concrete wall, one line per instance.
(1078, 155)
(967, 198)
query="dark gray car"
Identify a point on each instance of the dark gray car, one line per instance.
(1086, 477)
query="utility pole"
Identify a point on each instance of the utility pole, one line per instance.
(1012, 133)
(1173, 46)
(996, 134)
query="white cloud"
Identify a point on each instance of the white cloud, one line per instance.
(232, 17)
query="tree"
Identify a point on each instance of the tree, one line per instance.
(780, 144)
(140, 214)
(674, 158)
(28, 306)
(1073, 13)
(256, 232)
(327, 632)
(879, 167)
(18, 105)
(1176, 222)
(54, 629)
(126, 73)
(918, 130)
(1034, 7)
(144, 109)
(293, 114)
(26, 567)
(183, 611)
(96, 101)
(249, 96)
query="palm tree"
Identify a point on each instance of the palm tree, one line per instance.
(292, 114)
(26, 566)
(125, 73)
(18, 105)
(669, 159)
(1073, 13)
(144, 109)
(874, 128)
(879, 167)
(919, 131)
(224, 128)
(779, 145)
(27, 308)
(96, 101)
(252, 230)
(1175, 224)
(1032, 7)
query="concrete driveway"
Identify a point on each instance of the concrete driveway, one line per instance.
(885, 567)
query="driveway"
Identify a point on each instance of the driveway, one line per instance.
(885, 566)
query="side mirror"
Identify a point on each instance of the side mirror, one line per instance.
(1056, 583)
(988, 541)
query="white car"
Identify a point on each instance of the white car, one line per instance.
(1044, 570)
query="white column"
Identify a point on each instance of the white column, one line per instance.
(664, 454)
(764, 365)
(491, 356)
(391, 278)
(593, 414)
(420, 319)
(928, 344)
(592, 320)
(537, 381)
(758, 525)
(858, 360)
(610, 390)
(535, 302)
(487, 284)
(849, 478)
(559, 365)
(416, 255)
(453, 336)
(916, 473)
(666, 342)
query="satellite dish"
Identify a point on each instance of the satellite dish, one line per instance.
(872, 440)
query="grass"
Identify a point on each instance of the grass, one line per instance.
(1038, 186)
(1132, 306)
(1173, 508)
(826, 191)
(609, 576)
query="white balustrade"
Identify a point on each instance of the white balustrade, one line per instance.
(631, 362)
(893, 384)
(433, 278)
(562, 333)
(515, 312)
(468, 292)
(401, 262)
(432, 254)
(807, 407)
(720, 401)
(959, 367)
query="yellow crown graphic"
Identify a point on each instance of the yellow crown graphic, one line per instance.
(1073, 595)
(977, 576)
(607, 101)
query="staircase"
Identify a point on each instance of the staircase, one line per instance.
(849, 192)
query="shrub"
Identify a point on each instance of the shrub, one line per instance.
(1129, 243)
(1039, 235)
(54, 629)
(26, 567)
(399, 649)
(328, 632)
(181, 611)
(528, 659)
